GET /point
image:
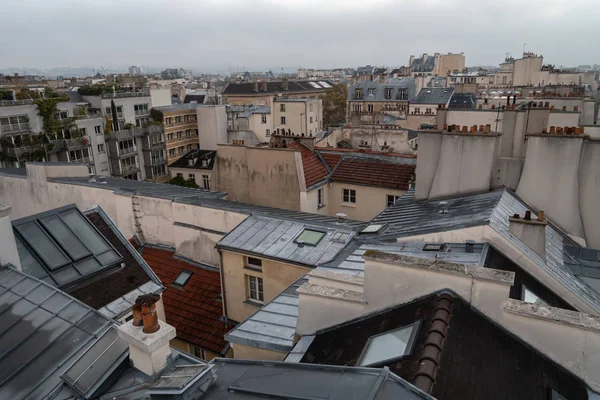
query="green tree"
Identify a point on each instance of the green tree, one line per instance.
(334, 105)
(179, 181)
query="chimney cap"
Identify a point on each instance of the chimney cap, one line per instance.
(147, 299)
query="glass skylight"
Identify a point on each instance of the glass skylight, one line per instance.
(530, 297)
(388, 346)
(374, 228)
(310, 237)
(182, 279)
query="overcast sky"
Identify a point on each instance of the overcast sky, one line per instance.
(253, 34)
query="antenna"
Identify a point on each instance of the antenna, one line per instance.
(524, 44)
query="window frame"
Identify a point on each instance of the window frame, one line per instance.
(320, 202)
(282, 107)
(526, 289)
(395, 198)
(283, 120)
(263, 118)
(259, 292)
(408, 350)
(251, 266)
(350, 196)
(201, 351)
(183, 271)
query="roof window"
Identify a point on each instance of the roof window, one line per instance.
(310, 237)
(389, 346)
(183, 277)
(433, 247)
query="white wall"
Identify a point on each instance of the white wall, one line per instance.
(8, 246)
(212, 126)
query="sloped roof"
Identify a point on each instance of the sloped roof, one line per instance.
(378, 89)
(332, 159)
(247, 88)
(434, 95)
(194, 310)
(373, 173)
(199, 156)
(314, 170)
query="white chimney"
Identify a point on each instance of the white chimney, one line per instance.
(148, 338)
(531, 232)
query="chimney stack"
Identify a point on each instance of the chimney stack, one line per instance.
(256, 86)
(532, 232)
(148, 341)
(264, 85)
(285, 84)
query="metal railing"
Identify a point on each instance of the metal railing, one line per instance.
(123, 95)
(127, 151)
(69, 144)
(157, 160)
(84, 160)
(135, 132)
(24, 127)
(16, 102)
(142, 112)
(129, 168)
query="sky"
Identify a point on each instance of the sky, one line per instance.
(230, 35)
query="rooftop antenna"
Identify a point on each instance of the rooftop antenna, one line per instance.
(524, 44)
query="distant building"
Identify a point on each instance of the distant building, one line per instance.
(263, 93)
(134, 70)
(369, 98)
(180, 126)
(438, 64)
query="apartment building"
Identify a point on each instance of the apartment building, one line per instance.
(196, 165)
(252, 124)
(303, 116)
(369, 99)
(438, 64)
(134, 142)
(77, 133)
(262, 93)
(429, 99)
(180, 125)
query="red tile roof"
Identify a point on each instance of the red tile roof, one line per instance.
(314, 170)
(194, 311)
(326, 150)
(331, 159)
(373, 173)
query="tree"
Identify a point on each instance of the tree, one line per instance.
(334, 105)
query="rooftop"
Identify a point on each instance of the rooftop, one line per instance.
(194, 308)
(403, 89)
(196, 159)
(434, 96)
(314, 170)
(248, 111)
(178, 107)
(247, 88)
(373, 173)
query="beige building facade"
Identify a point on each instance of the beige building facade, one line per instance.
(448, 63)
(180, 126)
(301, 116)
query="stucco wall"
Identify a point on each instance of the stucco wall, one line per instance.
(212, 126)
(562, 119)
(464, 166)
(242, 352)
(475, 117)
(309, 201)
(258, 175)
(370, 200)
(376, 138)
(589, 192)
(550, 179)
(276, 277)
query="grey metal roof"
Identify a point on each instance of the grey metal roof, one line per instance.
(434, 95)
(410, 217)
(178, 107)
(18, 172)
(74, 96)
(273, 326)
(275, 238)
(143, 188)
(241, 379)
(255, 110)
(42, 332)
(378, 89)
(354, 263)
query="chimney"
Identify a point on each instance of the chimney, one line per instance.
(285, 84)
(256, 86)
(532, 232)
(149, 349)
(264, 85)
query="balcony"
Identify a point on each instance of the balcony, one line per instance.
(69, 144)
(157, 161)
(12, 129)
(134, 132)
(142, 112)
(16, 102)
(127, 151)
(124, 95)
(357, 97)
(18, 151)
(84, 160)
(128, 169)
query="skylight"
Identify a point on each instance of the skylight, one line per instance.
(61, 246)
(182, 279)
(373, 228)
(530, 297)
(324, 84)
(433, 247)
(310, 237)
(388, 346)
(315, 85)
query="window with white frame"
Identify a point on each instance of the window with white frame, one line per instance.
(186, 118)
(356, 108)
(282, 107)
(188, 133)
(255, 289)
(370, 108)
(205, 182)
(391, 199)
(389, 346)
(180, 150)
(349, 196)
(101, 148)
(171, 152)
(268, 131)
(199, 352)
(253, 263)
(177, 120)
(192, 176)
(282, 120)
(98, 129)
(179, 134)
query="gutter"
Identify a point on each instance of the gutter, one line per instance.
(223, 296)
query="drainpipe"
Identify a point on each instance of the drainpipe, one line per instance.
(223, 297)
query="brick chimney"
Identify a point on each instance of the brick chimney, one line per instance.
(532, 232)
(285, 84)
(256, 86)
(148, 341)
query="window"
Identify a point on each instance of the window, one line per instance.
(385, 347)
(142, 121)
(433, 247)
(98, 129)
(140, 109)
(189, 147)
(320, 198)
(349, 196)
(169, 121)
(188, 133)
(169, 137)
(180, 150)
(357, 108)
(254, 263)
(310, 237)
(530, 297)
(504, 80)
(402, 94)
(182, 278)
(192, 176)
(282, 107)
(199, 352)
(417, 110)
(358, 94)
(101, 148)
(388, 93)
(255, 289)
(171, 152)
(371, 91)
(391, 199)
(179, 135)
(83, 131)
(282, 120)
(311, 120)
(370, 108)
(177, 120)
(205, 182)
(268, 132)
(263, 118)
(159, 170)
(428, 111)
(186, 118)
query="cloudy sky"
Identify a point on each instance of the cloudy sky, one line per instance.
(254, 34)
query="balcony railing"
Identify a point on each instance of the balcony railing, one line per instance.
(84, 160)
(142, 112)
(157, 161)
(127, 151)
(8, 129)
(135, 132)
(123, 95)
(126, 169)
(16, 102)
(156, 145)
(69, 144)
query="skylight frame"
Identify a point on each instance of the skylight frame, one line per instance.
(72, 262)
(311, 229)
(408, 349)
(182, 272)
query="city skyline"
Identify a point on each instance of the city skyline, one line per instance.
(226, 35)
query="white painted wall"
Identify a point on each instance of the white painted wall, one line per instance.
(8, 252)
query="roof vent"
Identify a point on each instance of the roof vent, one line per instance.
(341, 216)
(444, 209)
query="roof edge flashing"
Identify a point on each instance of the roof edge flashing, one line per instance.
(445, 267)
(553, 314)
(333, 293)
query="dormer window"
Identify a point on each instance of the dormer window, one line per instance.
(388, 93)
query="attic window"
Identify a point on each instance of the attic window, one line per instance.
(310, 237)
(205, 163)
(389, 346)
(374, 228)
(182, 279)
(433, 247)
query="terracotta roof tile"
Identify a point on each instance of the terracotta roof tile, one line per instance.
(373, 173)
(194, 311)
(331, 159)
(314, 170)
